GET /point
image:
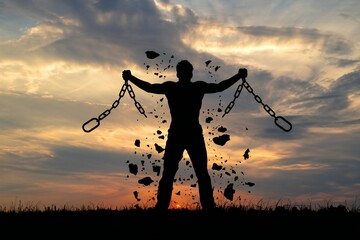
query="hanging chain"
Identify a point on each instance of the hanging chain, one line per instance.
(236, 95)
(137, 104)
(258, 99)
(107, 112)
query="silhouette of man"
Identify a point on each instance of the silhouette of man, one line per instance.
(185, 132)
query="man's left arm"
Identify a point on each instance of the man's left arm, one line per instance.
(225, 84)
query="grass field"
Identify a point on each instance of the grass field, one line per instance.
(139, 223)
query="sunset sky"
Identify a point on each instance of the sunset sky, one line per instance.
(61, 64)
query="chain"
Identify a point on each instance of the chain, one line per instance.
(107, 112)
(236, 95)
(137, 104)
(258, 99)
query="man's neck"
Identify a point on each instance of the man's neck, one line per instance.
(182, 80)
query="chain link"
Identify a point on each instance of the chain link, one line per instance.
(116, 103)
(236, 95)
(137, 104)
(258, 99)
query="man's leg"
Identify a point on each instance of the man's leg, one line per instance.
(198, 155)
(172, 157)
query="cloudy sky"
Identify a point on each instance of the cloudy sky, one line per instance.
(61, 64)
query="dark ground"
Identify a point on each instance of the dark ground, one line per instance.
(151, 224)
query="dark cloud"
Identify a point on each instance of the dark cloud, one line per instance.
(337, 99)
(27, 111)
(330, 176)
(325, 104)
(68, 159)
(346, 62)
(108, 32)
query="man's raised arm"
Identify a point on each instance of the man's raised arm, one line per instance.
(225, 84)
(146, 86)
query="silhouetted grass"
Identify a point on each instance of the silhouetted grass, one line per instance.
(225, 221)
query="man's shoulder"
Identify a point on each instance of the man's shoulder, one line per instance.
(200, 83)
(169, 83)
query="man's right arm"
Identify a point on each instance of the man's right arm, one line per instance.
(146, 86)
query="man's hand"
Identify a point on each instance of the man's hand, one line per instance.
(242, 72)
(126, 75)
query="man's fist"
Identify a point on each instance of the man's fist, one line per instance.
(242, 72)
(126, 75)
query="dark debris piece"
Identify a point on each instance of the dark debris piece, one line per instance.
(229, 191)
(158, 148)
(250, 184)
(146, 181)
(221, 140)
(246, 154)
(222, 129)
(137, 142)
(151, 54)
(157, 170)
(133, 168)
(216, 167)
(208, 119)
(136, 195)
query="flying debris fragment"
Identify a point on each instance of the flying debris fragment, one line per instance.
(222, 129)
(209, 119)
(229, 191)
(151, 54)
(158, 148)
(250, 184)
(136, 195)
(146, 181)
(216, 167)
(221, 140)
(157, 170)
(133, 168)
(246, 154)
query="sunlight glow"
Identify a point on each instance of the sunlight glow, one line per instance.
(331, 130)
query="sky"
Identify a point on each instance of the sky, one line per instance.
(61, 65)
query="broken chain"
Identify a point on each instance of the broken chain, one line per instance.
(116, 103)
(236, 95)
(258, 99)
(137, 104)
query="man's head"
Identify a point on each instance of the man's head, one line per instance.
(184, 70)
